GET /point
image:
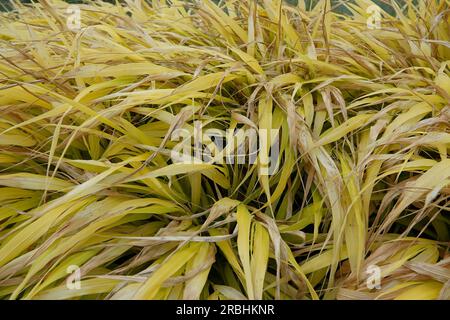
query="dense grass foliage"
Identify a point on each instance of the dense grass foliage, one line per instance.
(87, 129)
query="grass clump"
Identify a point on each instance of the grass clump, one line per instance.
(358, 207)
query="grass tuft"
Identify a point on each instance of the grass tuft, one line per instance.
(92, 114)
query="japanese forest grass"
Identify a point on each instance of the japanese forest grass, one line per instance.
(357, 209)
